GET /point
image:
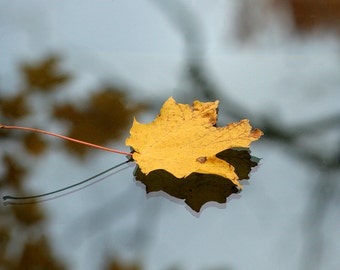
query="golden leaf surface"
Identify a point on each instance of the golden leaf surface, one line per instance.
(183, 140)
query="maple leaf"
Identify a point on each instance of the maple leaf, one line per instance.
(183, 139)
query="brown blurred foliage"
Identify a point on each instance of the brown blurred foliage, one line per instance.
(14, 107)
(13, 174)
(5, 236)
(28, 215)
(34, 143)
(36, 255)
(306, 16)
(102, 118)
(309, 15)
(45, 75)
(116, 265)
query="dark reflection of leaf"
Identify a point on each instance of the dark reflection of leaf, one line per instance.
(99, 120)
(45, 75)
(241, 159)
(198, 189)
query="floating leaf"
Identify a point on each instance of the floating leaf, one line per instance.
(183, 140)
(184, 154)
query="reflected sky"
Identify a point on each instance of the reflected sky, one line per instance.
(277, 79)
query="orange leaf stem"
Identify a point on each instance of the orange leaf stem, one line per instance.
(66, 138)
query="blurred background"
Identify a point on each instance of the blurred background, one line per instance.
(86, 68)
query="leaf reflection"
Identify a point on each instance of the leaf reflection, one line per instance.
(198, 189)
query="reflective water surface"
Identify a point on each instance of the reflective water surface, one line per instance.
(86, 69)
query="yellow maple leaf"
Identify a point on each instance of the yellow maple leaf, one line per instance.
(183, 140)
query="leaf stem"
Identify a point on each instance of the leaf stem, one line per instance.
(23, 199)
(66, 138)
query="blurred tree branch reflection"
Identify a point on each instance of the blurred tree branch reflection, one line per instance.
(326, 191)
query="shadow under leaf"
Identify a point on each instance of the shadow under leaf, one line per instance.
(197, 188)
